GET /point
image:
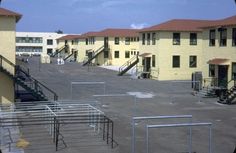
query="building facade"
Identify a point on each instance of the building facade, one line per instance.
(36, 43)
(120, 45)
(175, 49)
(8, 20)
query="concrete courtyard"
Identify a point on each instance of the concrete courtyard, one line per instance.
(153, 98)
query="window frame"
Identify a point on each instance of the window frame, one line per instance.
(233, 36)
(223, 37)
(212, 39)
(174, 62)
(176, 38)
(193, 63)
(116, 54)
(193, 39)
(127, 54)
(117, 40)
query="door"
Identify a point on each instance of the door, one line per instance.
(222, 75)
(147, 64)
(106, 42)
(75, 55)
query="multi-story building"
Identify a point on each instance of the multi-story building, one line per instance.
(8, 20)
(175, 49)
(109, 46)
(36, 43)
(67, 47)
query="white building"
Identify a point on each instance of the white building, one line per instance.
(36, 43)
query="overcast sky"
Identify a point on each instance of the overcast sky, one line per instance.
(79, 16)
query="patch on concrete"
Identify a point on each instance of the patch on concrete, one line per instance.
(141, 94)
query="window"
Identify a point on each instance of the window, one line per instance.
(148, 38)
(117, 40)
(153, 38)
(29, 40)
(86, 41)
(223, 36)
(153, 61)
(176, 38)
(117, 54)
(127, 40)
(72, 42)
(211, 70)
(127, 54)
(234, 37)
(193, 39)
(234, 71)
(143, 39)
(131, 52)
(176, 61)
(106, 54)
(49, 51)
(212, 37)
(192, 61)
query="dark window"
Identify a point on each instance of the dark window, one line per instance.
(49, 42)
(234, 36)
(49, 51)
(192, 61)
(223, 36)
(211, 70)
(72, 42)
(86, 41)
(131, 52)
(212, 37)
(106, 54)
(176, 61)
(153, 61)
(134, 52)
(176, 38)
(234, 71)
(153, 38)
(127, 54)
(148, 38)
(127, 40)
(193, 39)
(137, 38)
(117, 54)
(117, 40)
(143, 39)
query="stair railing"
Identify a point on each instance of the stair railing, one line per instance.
(128, 63)
(16, 70)
(7, 65)
(60, 50)
(37, 85)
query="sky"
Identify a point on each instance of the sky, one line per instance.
(80, 16)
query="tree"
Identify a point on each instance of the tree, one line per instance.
(59, 31)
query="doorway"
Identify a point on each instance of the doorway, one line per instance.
(222, 75)
(147, 64)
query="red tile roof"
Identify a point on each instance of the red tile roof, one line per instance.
(190, 25)
(5, 12)
(113, 33)
(69, 37)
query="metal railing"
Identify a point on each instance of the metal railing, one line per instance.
(23, 74)
(128, 63)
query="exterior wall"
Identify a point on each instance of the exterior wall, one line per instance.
(7, 49)
(164, 50)
(43, 44)
(111, 60)
(217, 51)
(122, 47)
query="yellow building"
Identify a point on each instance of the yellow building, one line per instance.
(219, 52)
(175, 49)
(67, 47)
(8, 21)
(108, 47)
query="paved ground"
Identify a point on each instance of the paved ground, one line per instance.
(168, 99)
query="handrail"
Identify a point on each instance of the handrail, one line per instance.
(6, 60)
(128, 63)
(37, 83)
(99, 49)
(18, 68)
(60, 50)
